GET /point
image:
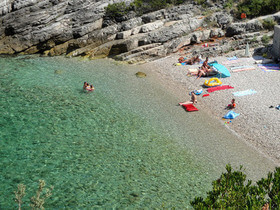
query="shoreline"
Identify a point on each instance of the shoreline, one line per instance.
(257, 126)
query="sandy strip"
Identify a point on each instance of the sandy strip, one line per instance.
(258, 124)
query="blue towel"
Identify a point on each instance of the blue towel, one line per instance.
(244, 92)
(231, 115)
(232, 58)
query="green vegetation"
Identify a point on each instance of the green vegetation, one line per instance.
(229, 4)
(255, 8)
(265, 39)
(139, 6)
(38, 200)
(116, 10)
(269, 24)
(252, 8)
(200, 2)
(254, 39)
(232, 191)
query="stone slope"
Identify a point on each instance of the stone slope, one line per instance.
(80, 27)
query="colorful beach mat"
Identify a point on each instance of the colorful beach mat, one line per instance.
(222, 87)
(269, 67)
(232, 58)
(244, 92)
(242, 68)
(237, 61)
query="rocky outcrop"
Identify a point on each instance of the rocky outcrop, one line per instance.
(250, 26)
(80, 27)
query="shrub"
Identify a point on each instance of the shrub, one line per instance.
(200, 2)
(254, 8)
(265, 39)
(229, 4)
(254, 39)
(232, 191)
(269, 24)
(116, 10)
(139, 6)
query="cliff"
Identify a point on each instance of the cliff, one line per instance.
(80, 27)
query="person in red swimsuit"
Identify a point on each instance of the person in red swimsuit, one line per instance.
(232, 105)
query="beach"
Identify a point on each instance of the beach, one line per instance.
(259, 121)
(128, 144)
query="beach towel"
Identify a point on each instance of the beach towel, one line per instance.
(269, 64)
(232, 58)
(242, 68)
(231, 115)
(230, 62)
(190, 107)
(222, 87)
(270, 70)
(180, 64)
(206, 95)
(269, 67)
(192, 71)
(238, 61)
(244, 92)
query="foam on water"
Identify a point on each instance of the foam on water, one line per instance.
(125, 145)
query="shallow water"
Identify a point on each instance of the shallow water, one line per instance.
(125, 145)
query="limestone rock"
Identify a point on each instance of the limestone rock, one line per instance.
(151, 26)
(81, 28)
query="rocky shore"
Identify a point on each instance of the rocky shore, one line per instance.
(258, 123)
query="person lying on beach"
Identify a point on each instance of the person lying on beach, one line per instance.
(190, 61)
(206, 72)
(232, 105)
(192, 101)
(182, 59)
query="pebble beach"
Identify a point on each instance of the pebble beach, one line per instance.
(259, 121)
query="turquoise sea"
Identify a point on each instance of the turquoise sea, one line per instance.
(125, 145)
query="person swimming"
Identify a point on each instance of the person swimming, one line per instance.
(85, 85)
(90, 88)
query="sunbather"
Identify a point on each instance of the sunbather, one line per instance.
(192, 101)
(190, 61)
(205, 66)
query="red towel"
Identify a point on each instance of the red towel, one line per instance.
(206, 95)
(190, 107)
(223, 87)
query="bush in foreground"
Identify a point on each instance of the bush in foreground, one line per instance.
(38, 200)
(232, 191)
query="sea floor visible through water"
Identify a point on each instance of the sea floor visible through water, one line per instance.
(125, 145)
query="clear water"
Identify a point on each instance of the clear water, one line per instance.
(125, 145)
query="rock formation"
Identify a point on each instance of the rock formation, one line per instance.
(80, 27)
